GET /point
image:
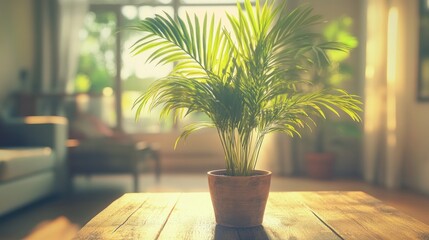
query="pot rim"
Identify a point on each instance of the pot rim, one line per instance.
(220, 173)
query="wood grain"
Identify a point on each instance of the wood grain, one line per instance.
(133, 216)
(356, 215)
(193, 218)
(289, 215)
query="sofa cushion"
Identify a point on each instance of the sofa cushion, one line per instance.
(18, 162)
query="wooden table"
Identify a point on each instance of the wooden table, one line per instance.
(289, 215)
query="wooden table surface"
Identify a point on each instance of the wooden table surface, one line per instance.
(288, 215)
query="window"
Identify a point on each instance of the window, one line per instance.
(137, 74)
(96, 66)
(111, 76)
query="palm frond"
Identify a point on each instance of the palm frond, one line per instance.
(198, 47)
(192, 128)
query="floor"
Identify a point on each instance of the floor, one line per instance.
(63, 216)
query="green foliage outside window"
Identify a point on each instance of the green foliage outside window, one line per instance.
(96, 65)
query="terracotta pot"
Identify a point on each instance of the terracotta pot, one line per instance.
(320, 165)
(239, 201)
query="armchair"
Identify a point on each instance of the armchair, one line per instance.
(95, 149)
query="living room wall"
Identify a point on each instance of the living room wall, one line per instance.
(16, 44)
(416, 157)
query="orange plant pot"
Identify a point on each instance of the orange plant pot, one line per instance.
(239, 201)
(320, 165)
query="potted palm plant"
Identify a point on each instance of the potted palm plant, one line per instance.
(320, 162)
(247, 81)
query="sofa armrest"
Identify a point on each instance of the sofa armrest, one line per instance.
(43, 131)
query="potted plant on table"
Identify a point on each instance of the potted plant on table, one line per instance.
(247, 81)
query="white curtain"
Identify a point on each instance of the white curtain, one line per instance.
(58, 23)
(385, 82)
(71, 15)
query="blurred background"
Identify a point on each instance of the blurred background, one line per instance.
(72, 58)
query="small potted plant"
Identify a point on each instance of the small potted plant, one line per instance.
(320, 162)
(247, 81)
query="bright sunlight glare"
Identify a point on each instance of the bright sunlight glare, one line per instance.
(392, 43)
(107, 91)
(148, 11)
(130, 12)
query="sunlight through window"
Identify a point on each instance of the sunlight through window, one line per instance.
(392, 44)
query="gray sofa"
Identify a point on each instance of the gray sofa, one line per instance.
(32, 160)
